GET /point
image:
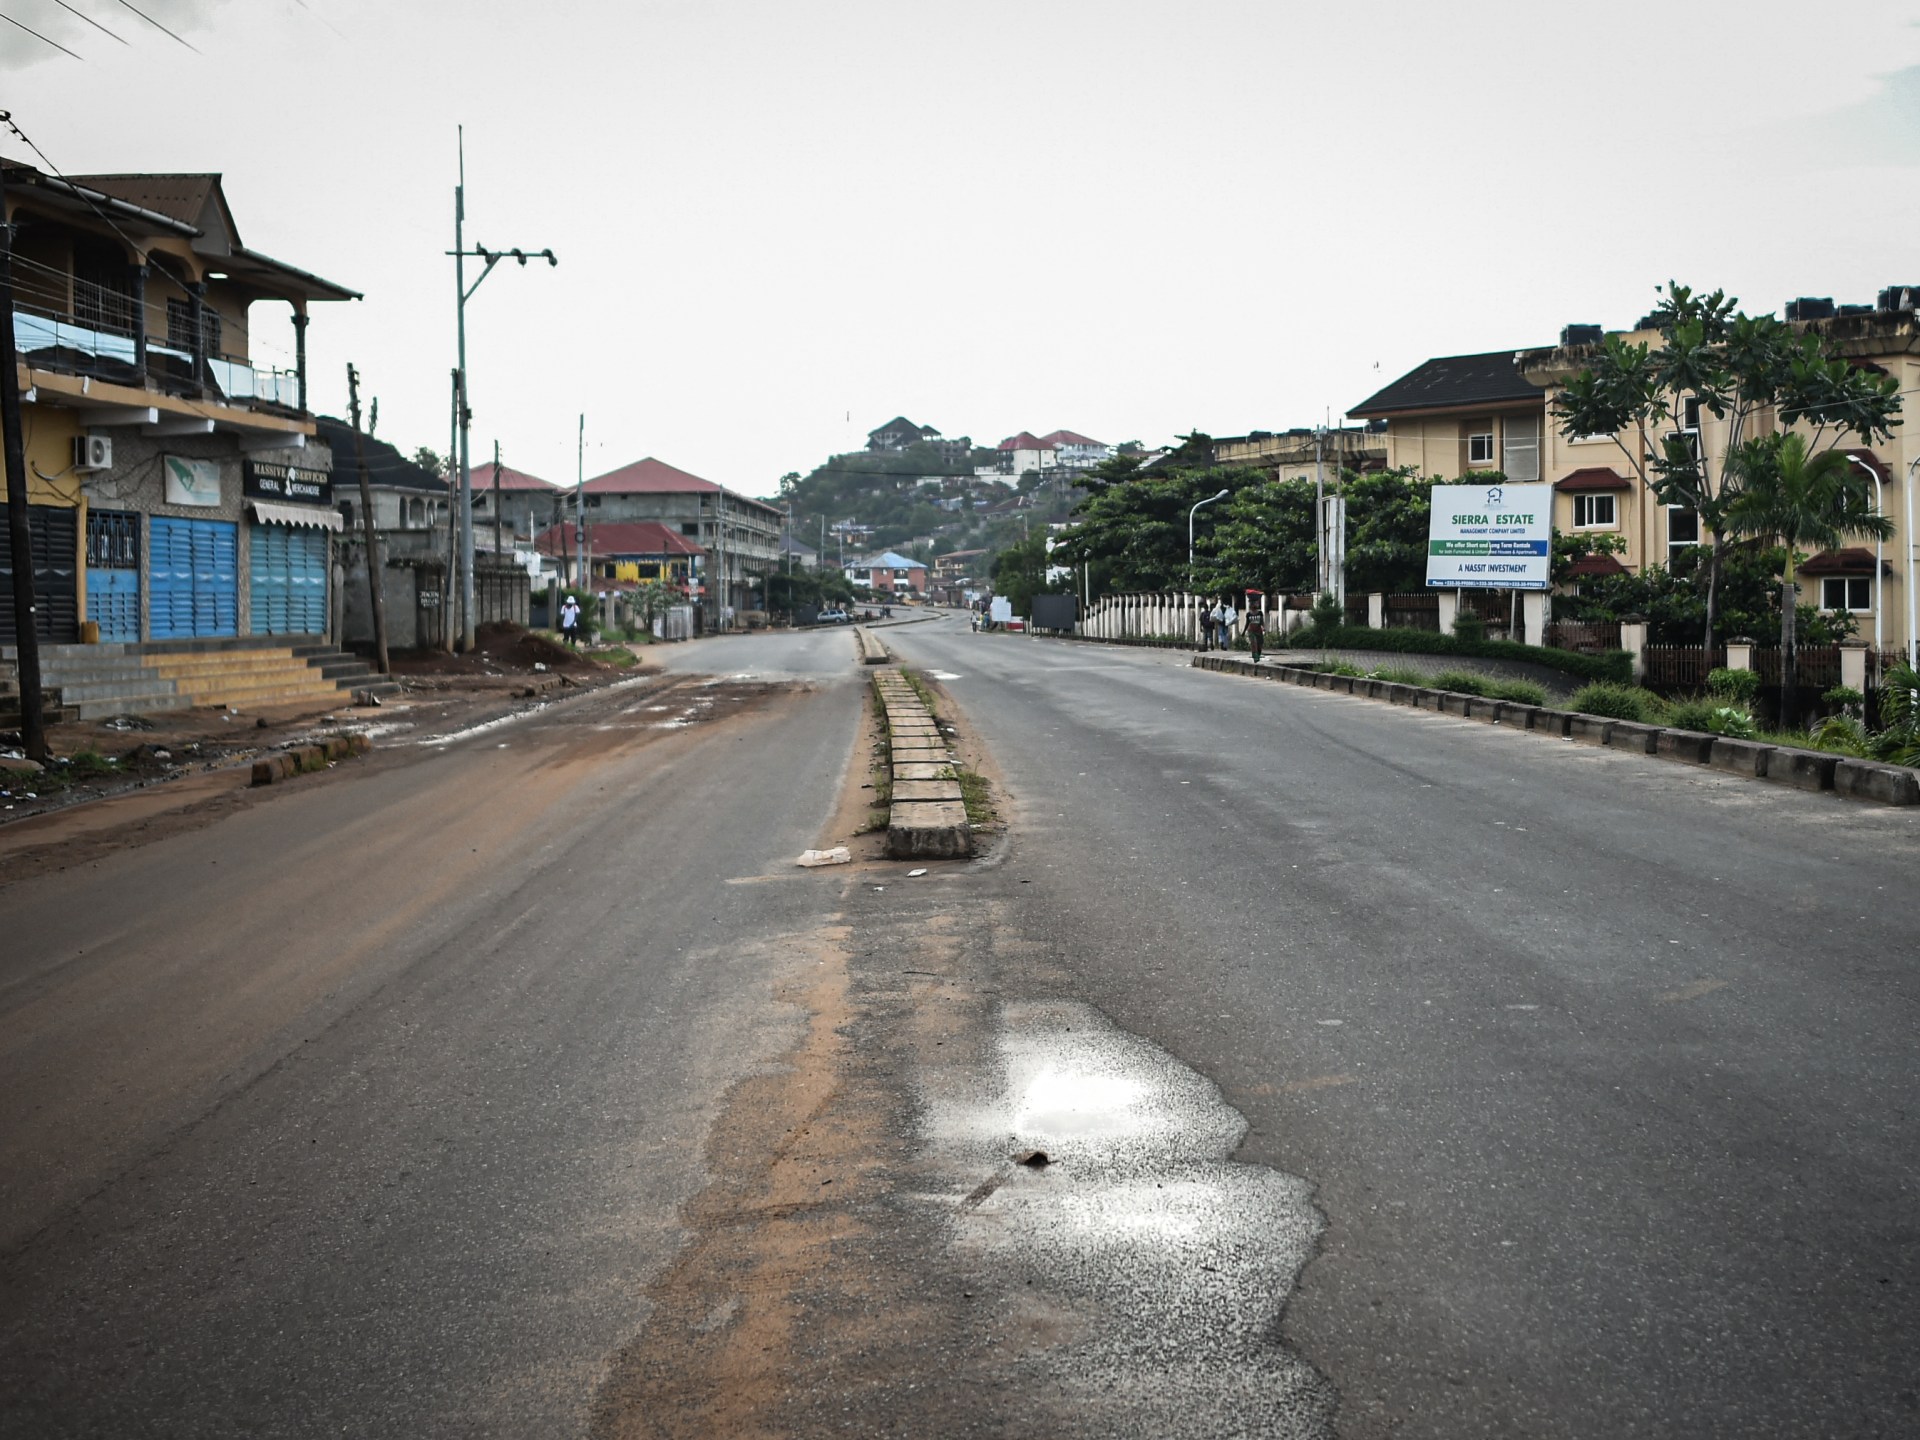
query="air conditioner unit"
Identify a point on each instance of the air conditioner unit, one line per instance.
(93, 452)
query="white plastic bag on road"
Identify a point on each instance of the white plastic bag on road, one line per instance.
(839, 855)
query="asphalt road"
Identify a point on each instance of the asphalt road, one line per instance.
(522, 1086)
(368, 1110)
(1600, 1068)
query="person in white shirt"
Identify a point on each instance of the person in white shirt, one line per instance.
(570, 622)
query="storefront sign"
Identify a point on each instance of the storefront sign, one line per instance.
(1490, 537)
(263, 480)
(191, 482)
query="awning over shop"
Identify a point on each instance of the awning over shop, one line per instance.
(321, 517)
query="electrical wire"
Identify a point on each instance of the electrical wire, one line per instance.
(41, 38)
(158, 26)
(91, 21)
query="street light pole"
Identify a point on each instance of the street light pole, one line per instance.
(1190, 514)
(1880, 509)
(1913, 601)
(463, 292)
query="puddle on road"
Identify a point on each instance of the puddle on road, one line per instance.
(1155, 1267)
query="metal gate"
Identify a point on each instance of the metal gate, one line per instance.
(193, 576)
(113, 574)
(287, 569)
(56, 568)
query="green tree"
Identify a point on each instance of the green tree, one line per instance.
(429, 460)
(1020, 572)
(1789, 492)
(1740, 369)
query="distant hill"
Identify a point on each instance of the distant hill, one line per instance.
(923, 500)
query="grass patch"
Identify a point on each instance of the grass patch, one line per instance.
(1402, 675)
(977, 795)
(1460, 682)
(1519, 692)
(620, 657)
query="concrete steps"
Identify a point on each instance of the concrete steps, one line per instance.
(244, 678)
(95, 682)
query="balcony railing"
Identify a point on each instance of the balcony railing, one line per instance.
(61, 343)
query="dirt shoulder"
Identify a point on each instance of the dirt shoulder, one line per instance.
(129, 780)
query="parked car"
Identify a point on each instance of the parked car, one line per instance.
(833, 617)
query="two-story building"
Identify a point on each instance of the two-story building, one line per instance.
(738, 535)
(1600, 489)
(888, 573)
(176, 488)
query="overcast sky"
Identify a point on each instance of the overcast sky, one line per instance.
(1128, 219)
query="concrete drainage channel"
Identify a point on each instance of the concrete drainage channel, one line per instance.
(1813, 770)
(927, 816)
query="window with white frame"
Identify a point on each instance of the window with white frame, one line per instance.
(1480, 442)
(1683, 530)
(1596, 512)
(1846, 592)
(1520, 448)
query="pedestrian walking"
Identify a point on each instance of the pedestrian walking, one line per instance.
(1223, 624)
(1256, 633)
(570, 623)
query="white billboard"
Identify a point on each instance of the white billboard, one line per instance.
(1490, 537)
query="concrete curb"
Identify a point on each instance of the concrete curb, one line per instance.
(1813, 770)
(927, 819)
(285, 764)
(872, 652)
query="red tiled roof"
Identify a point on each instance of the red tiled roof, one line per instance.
(1025, 440)
(1854, 560)
(648, 477)
(510, 478)
(1066, 437)
(1594, 477)
(1591, 565)
(607, 542)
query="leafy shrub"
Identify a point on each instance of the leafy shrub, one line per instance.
(1327, 612)
(1519, 692)
(1737, 687)
(1615, 665)
(1618, 702)
(1899, 738)
(1693, 714)
(1461, 682)
(1469, 627)
(1341, 667)
(1842, 734)
(1734, 724)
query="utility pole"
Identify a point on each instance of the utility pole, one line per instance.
(374, 575)
(453, 522)
(26, 611)
(496, 502)
(580, 501)
(463, 293)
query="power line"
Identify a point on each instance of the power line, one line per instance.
(41, 38)
(158, 26)
(91, 21)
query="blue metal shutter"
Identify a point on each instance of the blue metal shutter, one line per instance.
(193, 574)
(289, 580)
(113, 574)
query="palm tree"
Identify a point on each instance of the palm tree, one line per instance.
(1800, 498)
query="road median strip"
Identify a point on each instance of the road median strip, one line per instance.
(1818, 771)
(927, 813)
(872, 651)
